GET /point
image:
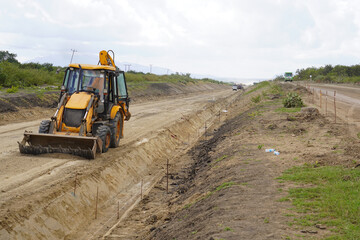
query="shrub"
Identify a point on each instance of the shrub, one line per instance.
(13, 89)
(256, 99)
(293, 100)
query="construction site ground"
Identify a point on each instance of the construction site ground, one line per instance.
(221, 182)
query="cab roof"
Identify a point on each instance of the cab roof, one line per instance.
(92, 67)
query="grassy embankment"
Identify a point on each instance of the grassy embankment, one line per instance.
(34, 77)
(326, 196)
(332, 200)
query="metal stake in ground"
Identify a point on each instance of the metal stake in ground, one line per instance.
(75, 184)
(141, 187)
(326, 104)
(96, 203)
(118, 210)
(335, 105)
(167, 176)
(313, 98)
(320, 98)
(205, 131)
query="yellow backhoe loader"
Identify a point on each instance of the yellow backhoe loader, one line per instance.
(89, 119)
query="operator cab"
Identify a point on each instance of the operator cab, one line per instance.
(91, 81)
(106, 82)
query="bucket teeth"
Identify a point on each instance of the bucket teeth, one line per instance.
(36, 150)
(45, 143)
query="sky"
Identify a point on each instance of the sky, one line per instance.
(239, 39)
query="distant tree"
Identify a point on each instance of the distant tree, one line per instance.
(48, 66)
(2, 77)
(355, 70)
(340, 70)
(45, 66)
(326, 70)
(6, 56)
(303, 74)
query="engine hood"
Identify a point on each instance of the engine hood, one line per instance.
(78, 100)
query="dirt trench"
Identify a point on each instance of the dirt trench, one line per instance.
(65, 211)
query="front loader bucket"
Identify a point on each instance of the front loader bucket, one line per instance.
(38, 143)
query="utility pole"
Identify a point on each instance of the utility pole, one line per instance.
(73, 51)
(128, 67)
(167, 72)
(150, 68)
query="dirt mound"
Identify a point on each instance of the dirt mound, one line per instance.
(12, 103)
(294, 88)
(156, 91)
(21, 107)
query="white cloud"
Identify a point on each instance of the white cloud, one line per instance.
(258, 38)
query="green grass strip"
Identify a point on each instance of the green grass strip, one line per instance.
(332, 200)
(288, 110)
(258, 86)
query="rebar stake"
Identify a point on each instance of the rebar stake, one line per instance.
(167, 176)
(335, 105)
(326, 103)
(141, 192)
(118, 210)
(96, 204)
(313, 98)
(75, 184)
(320, 99)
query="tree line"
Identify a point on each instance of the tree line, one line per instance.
(21, 75)
(330, 74)
(16, 74)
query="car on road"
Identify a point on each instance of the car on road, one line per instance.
(236, 87)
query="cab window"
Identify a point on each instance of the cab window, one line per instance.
(71, 80)
(121, 86)
(92, 80)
